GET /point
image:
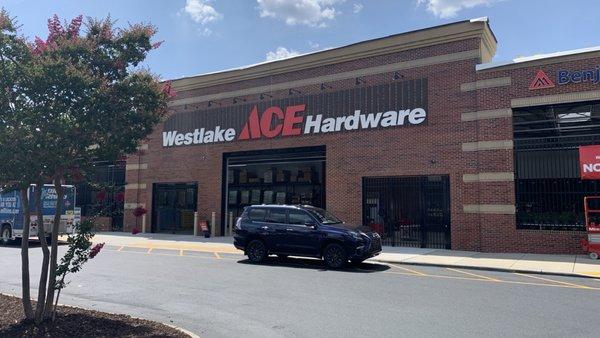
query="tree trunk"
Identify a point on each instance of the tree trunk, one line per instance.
(26, 296)
(54, 254)
(41, 301)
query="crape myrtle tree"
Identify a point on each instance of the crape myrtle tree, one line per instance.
(80, 95)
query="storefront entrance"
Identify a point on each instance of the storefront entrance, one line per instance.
(409, 211)
(173, 207)
(277, 176)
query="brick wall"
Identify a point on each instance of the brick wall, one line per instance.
(431, 149)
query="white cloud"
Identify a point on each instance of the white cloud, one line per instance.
(449, 8)
(313, 13)
(201, 11)
(357, 8)
(281, 53)
(313, 45)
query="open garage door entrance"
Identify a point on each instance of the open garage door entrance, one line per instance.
(274, 176)
(409, 211)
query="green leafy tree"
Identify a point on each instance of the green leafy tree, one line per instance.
(82, 96)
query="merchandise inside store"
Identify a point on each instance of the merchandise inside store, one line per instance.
(285, 176)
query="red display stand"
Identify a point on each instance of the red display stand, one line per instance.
(592, 225)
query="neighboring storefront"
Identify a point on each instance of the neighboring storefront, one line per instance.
(416, 135)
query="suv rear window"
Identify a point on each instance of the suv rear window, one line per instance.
(257, 214)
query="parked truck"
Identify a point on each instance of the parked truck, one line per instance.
(11, 213)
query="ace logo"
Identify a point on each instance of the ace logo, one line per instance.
(273, 122)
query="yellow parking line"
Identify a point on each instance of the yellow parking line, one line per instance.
(554, 281)
(180, 252)
(121, 248)
(489, 281)
(149, 251)
(414, 272)
(475, 275)
(217, 255)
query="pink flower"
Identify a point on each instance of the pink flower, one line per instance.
(157, 44)
(168, 89)
(101, 195)
(139, 211)
(74, 26)
(120, 196)
(96, 250)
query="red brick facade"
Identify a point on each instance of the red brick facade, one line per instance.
(434, 148)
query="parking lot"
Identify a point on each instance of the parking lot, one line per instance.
(221, 294)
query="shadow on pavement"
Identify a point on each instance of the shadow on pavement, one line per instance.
(32, 244)
(317, 264)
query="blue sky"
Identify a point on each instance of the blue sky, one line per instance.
(211, 35)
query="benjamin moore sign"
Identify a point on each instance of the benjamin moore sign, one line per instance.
(542, 81)
(384, 106)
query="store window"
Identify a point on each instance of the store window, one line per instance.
(549, 191)
(103, 196)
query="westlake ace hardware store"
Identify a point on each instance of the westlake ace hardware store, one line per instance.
(417, 135)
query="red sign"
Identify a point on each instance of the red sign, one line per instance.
(589, 162)
(541, 81)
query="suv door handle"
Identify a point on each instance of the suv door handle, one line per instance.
(289, 229)
(265, 227)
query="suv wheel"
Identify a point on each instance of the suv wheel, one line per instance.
(256, 251)
(5, 235)
(335, 256)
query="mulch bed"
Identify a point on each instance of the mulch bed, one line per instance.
(76, 322)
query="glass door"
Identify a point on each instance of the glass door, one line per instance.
(173, 207)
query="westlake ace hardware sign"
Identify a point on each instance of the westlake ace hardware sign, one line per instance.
(589, 162)
(390, 105)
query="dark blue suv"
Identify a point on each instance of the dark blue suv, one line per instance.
(307, 231)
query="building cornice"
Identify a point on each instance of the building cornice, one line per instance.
(396, 43)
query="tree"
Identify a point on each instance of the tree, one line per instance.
(84, 97)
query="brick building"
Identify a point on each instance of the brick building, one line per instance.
(416, 134)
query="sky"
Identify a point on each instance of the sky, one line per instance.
(202, 36)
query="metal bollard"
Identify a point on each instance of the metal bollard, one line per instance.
(195, 223)
(144, 224)
(230, 225)
(213, 218)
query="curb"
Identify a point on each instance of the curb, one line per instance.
(180, 329)
(189, 333)
(484, 268)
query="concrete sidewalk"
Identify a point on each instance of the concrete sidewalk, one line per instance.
(570, 265)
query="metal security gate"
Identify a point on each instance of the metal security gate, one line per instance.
(409, 211)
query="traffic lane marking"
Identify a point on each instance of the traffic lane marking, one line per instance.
(415, 272)
(554, 281)
(475, 275)
(171, 255)
(217, 255)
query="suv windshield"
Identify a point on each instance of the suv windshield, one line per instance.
(324, 216)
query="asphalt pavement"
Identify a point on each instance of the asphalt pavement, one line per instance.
(222, 295)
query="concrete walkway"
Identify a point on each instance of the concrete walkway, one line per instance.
(571, 265)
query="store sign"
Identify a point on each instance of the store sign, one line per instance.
(589, 162)
(291, 121)
(395, 105)
(542, 81)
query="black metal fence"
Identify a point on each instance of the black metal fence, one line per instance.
(408, 211)
(549, 192)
